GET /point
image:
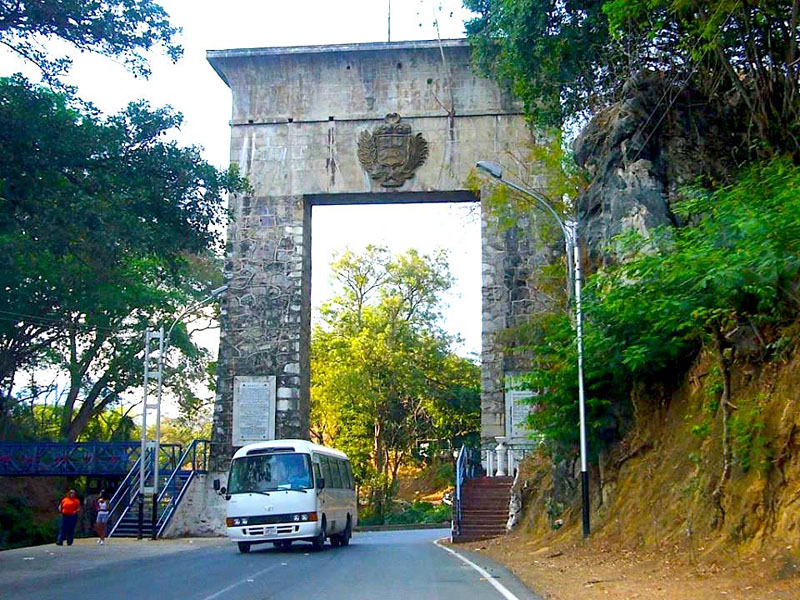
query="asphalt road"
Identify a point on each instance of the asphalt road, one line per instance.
(402, 565)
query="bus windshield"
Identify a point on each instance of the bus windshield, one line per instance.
(270, 472)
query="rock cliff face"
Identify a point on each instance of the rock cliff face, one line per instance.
(640, 153)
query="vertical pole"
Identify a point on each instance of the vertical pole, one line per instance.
(143, 459)
(573, 229)
(389, 22)
(157, 449)
(140, 519)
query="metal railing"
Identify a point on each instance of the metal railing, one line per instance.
(196, 457)
(461, 475)
(76, 459)
(126, 495)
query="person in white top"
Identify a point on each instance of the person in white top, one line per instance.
(101, 523)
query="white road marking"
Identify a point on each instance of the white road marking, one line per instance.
(504, 591)
(247, 579)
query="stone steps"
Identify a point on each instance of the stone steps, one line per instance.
(484, 508)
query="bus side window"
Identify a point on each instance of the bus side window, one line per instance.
(343, 474)
(335, 474)
(317, 472)
(326, 470)
(350, 475)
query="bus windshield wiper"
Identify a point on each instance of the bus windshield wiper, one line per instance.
(289, 489)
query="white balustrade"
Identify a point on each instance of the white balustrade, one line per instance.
(502, 452)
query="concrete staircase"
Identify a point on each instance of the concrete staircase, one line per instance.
(484, 508)
(128, 525)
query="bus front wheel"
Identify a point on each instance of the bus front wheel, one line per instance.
(244, 547)
(319, 541)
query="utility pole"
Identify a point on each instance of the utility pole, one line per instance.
(570, 230)
(151, 371)
(389, 21)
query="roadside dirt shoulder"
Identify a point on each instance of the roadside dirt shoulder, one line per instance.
(602, 570)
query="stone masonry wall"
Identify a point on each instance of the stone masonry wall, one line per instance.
(266, 312)
(297, 116)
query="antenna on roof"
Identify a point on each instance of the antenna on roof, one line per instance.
(389, 21)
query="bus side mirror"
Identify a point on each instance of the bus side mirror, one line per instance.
(321, 483)
(216, 485)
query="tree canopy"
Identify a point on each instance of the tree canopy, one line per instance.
(105, 227)
(566, 60)
(119, 29)
(731, 272)
(384, 381)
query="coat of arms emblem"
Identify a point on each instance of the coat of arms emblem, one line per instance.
(391, 153)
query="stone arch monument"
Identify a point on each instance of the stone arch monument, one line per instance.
(395, 122)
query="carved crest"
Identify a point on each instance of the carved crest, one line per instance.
(391, 154)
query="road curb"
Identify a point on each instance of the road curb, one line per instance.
(402, 527)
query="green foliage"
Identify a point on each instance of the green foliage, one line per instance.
(415, 513)
(105, 228)
(19, 528)
(701, 431)
(120, 29)
(736, 263)
(566, 60)
(724, 47)
(749, 439)
(548, 53)
(42, 421)
(181, 430)
(383, 380)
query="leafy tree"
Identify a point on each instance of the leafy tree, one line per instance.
(557, 56)
(724, 47)
(383, 378)
(181, 430)
(105, 228)
(566, 60)
(735, 266)
(120, 29)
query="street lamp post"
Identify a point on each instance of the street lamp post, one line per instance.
(158, 375)
(569, 229)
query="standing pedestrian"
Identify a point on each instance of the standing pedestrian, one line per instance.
(69, 507)
(101, 522)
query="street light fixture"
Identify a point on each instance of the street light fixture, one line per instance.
(163, 342)
(570, 230)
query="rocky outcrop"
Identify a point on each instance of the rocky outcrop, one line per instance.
(640, 153)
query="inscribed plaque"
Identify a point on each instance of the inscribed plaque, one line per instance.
(518, 407)
(253, 409)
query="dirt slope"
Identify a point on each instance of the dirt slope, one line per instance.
(657, 530)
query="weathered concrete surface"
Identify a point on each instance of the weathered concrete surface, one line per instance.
(202, 510)
(297, 116)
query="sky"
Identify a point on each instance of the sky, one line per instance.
(193, 88)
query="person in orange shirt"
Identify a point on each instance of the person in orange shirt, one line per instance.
(69, 507)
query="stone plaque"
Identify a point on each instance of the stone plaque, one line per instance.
(518, 407)
(253, 409)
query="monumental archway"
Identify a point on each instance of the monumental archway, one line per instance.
(364, 123)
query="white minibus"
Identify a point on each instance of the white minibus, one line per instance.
(288, 490)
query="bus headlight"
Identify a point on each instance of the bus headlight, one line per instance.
(296, 517)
